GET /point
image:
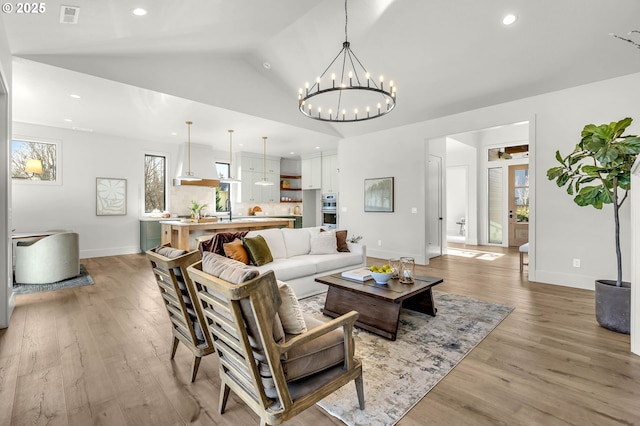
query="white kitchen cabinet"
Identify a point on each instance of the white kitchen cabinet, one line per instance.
(312, 173)
(329, 174)
(251, 171)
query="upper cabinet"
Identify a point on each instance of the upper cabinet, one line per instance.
(330, 174)
(251, 171)
(312, 172)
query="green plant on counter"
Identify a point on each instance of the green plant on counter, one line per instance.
(196, 209)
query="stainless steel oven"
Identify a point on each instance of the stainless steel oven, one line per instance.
(329, 210)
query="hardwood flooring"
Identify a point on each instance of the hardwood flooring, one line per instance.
(100, 355)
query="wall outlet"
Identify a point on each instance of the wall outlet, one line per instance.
(576, 263)
(379, 242)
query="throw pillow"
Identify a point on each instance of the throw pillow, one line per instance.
(341, 241)
(324, 243)
(258, 250)
(297, 241)
(236, 251)
(290, 312)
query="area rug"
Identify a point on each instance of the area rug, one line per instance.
(398, 374)
(83, 279)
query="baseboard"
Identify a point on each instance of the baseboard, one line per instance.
(584, 282)
(112, 251)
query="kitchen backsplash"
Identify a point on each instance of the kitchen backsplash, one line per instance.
(181, 197)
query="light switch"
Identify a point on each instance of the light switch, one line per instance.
(343, 209)
(414, 210)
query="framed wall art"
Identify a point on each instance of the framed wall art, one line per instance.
(111, 197)
(378, 195)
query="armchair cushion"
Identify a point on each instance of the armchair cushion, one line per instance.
(290, 312)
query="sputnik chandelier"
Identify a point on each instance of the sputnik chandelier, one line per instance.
(350, 94)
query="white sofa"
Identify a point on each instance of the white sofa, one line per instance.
(293, 262)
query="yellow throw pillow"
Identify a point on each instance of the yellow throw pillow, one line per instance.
(236, 251)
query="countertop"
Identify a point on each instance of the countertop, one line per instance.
(248, 219)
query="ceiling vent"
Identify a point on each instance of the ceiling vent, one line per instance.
(69, 14)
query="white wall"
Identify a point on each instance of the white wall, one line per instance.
(563, 230)
(72, 204)
(463, 155)
(6, 295)
(457, 198)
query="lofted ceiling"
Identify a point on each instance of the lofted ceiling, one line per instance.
(142, 77)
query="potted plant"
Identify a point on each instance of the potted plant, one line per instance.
(196, 209)
(598, 172)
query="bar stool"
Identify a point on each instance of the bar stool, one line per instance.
(524, 249)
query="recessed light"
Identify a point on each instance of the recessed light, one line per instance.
(74, 96)
(266, 65)
(174, 134)
(138, 11)
(509, 19)
(317, 147)
(68, 120)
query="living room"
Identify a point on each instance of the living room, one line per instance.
(560, 231)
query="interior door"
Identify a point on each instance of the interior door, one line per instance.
(518, 205)
(434, 207)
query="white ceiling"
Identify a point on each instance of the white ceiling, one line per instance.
(202, 60)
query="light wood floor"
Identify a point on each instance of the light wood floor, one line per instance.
(99, 355)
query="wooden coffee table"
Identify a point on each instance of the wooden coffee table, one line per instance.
(379, 305)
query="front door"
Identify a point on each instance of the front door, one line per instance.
(518, 205)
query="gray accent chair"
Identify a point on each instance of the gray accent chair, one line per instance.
(48, 259)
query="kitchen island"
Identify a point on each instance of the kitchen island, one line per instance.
(182, 235)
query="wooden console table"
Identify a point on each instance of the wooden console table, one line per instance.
(179, 233)
(379, 305)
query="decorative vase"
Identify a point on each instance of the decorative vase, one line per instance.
(407, 268)
(613, 305)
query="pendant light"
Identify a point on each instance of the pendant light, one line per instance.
(264, 181)
(189, 176)
(230, 178)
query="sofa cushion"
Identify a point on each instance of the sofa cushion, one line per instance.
(288, 269)
(235, 250)
(297, 241)
(274, 240)
(290, 312)
(328, 262)
(258, 250)
(323, 243)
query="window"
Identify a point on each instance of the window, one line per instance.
(35, 161)
(155, 178)
(222, 192)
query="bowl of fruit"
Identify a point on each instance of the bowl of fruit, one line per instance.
(381, 274)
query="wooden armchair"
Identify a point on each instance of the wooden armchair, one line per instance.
(257, 362)
(169, 267)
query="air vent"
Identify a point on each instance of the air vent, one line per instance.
(69, 14)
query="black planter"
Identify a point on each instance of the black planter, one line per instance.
(613, 305)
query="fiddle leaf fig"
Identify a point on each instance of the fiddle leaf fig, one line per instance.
(603, 158)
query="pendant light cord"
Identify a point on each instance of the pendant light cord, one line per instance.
(189, 146)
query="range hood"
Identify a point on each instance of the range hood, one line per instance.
(203, 165)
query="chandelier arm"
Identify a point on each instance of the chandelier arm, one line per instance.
(357, 74)
(327, 69)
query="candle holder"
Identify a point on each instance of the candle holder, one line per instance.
(394, 263)
(407, 270)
